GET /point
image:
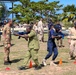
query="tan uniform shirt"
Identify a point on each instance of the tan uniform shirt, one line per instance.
(35, 27)
(72, 33)
(7, 34)
(40, 27)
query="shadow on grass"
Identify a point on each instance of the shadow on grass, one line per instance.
(62, 62)
(58, 62)
(12, 44)
(16, 60)
(1, 45)
(45, 41)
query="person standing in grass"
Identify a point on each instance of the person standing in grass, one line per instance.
(51, 46)
(7, 41)
(58, 29)
(33, 48)
(72, 42)
(40, 30)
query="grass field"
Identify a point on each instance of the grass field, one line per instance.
(18, 51)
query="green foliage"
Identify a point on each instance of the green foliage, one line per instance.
(69, 8)
(29, 11)
(68, 24)
(69, 12)
(3, 11)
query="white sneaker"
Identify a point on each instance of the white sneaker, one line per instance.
(44, 62)
(52, 63)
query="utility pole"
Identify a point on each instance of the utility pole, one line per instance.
(12, 19)
(12, 12)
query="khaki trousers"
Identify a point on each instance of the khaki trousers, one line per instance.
(73, 48)
(41, 37)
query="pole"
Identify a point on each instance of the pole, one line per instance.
(12, 19)
(12, 8)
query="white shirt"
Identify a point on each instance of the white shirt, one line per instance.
(40, 26)
(35, 27)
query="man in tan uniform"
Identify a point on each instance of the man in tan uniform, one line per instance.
(35, 27)
(72, 41)
(7, 41)
(41, 30)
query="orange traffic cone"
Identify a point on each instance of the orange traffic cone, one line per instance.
(30, 65)
(60, 62)
(75, 62)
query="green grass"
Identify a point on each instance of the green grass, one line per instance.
(18, 51)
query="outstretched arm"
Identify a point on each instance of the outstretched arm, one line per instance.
(56, 36)
(23, 36)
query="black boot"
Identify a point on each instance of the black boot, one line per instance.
(22, 68)
(37, 67)
(6, 63)
(9, 60)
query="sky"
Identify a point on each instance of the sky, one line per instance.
(64, 2)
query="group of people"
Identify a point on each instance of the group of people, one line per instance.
(54, 32)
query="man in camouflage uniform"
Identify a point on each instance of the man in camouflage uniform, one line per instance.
(33, 45)
(7, 41)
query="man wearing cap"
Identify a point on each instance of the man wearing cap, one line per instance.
(50, 23)
(58, 29)
(72, 42)
(51, 46)
(33, 48)
(7, 41)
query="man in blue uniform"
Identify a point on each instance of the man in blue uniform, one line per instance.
(58, 29)
(50, 23)
(51, 46)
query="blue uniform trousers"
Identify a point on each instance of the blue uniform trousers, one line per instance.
(52, 48)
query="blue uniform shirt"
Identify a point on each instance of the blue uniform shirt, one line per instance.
(51, 33)
(49, 25)
(59, 27)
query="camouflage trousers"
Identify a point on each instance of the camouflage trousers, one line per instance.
(6, 52)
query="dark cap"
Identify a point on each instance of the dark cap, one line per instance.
(49, 20)
(75, 24)
(57, 26)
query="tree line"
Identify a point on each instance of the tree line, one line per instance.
(29, 10)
